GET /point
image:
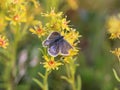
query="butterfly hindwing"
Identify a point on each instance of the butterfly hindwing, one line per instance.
(53, 49)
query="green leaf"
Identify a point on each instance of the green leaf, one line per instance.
(41, 50)
(65, 78)
(41, 75)
(116, 76)
(38, 82)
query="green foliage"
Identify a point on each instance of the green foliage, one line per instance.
(95, 60)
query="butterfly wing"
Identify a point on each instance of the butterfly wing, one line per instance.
(53, 49)
(51, 38)
(64, 47)
(47, 42)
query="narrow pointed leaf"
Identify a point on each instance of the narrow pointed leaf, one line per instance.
(38, 82)
(41, 75)
(65, 78)
(116, 76)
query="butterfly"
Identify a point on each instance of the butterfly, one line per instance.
(57, 45)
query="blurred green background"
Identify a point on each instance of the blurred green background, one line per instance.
(96, 62)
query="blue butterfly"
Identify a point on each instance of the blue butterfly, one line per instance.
(57, 45)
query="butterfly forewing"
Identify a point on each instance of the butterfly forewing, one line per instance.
(46, 42)
(53, 36)
(64, 47)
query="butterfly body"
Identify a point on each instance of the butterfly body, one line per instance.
(57, 45)
(56, 40)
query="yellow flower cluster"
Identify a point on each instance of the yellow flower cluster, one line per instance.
(3, 42)
(56, 22)
(52, 14)
(51, 64)
(17, 13)
(113, 25)
(38, 30)
(20, 12)
(71, 36)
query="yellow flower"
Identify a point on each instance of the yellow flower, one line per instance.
(116, 52)
(39, 30)
(113, 25)
(72, 52)
(18, 1)
(15, 1)
(51, 64)
(17, 15)
(4, 4)
(53, 25)
(52, 14)
(16, 18)
(3, 42)
(71, 36)
(64, 24)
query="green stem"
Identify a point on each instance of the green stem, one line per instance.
(10, 70)
(45, 82)
(73, 81)
(11, 66)
(67, 70)
(70, 69)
